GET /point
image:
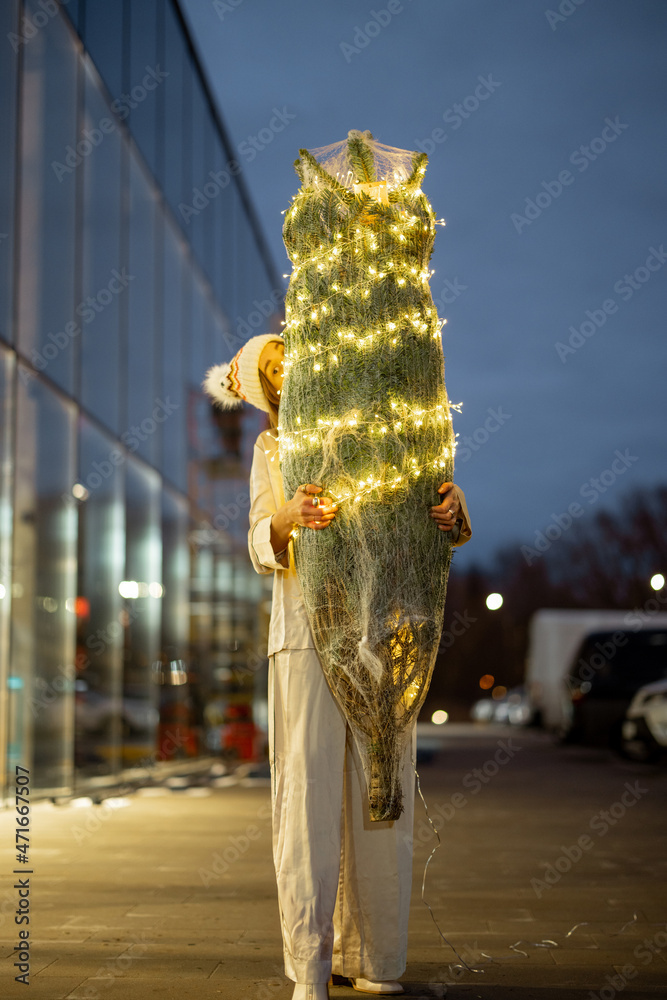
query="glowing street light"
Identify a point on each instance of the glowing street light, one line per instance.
(494, 601)
(657, 581)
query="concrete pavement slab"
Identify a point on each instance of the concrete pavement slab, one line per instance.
(173, 896)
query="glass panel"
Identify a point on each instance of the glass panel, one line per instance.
(203, 186)
(100, 618)
(176, 102)
(142, 595)
(259, 308)
(222, 257)
(143, 429)
(174, 359)
(143, 57)
(222, 341)
(103, 37)
(7, 364)
(198, 405)
(212, 189)
(181, 708)
(233, 251)
(240, 737)
(8, 71)
(105, 278)
(41, 687)
(245, 274)
(201, 617)
(49, 327)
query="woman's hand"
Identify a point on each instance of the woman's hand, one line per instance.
(446, 512)
(300, 510)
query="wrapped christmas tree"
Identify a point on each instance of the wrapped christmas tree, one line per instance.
(364, 414)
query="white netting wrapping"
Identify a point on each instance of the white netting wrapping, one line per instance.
(392, 166)
(364, 414)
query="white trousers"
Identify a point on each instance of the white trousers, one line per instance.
(343, 881)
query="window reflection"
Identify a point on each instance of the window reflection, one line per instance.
(221, 260)
(181, 695)
(105, 276)
(176, 121)
(44, 585)
(103, 37)
(99, 609)
(123, 495)
(142, 389)
(175, 341)
(49, 327)
(141, 591)
(7, 367)
(8, 67)
(143, 52)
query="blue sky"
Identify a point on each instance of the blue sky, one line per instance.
(555, 111)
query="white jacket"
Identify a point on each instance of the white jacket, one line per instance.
(289, 627)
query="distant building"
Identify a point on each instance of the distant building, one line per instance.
(130, 261)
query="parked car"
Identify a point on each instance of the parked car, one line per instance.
(644, 729)
(555, 635)
(606, 673)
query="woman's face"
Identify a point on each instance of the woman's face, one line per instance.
(271, 363)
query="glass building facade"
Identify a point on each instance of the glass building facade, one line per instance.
(131, 621)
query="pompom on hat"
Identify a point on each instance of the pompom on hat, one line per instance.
(232, 382)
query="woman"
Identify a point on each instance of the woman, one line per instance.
(343, 882)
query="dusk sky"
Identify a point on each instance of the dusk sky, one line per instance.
(546, 128)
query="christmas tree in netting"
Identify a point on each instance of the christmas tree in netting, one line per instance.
(364, 414)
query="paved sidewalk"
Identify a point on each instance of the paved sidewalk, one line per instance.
(551, 879)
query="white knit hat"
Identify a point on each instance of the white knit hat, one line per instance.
(232, 382)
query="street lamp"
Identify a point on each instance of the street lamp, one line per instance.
(439, 717)
(494, 601)
(657, 581)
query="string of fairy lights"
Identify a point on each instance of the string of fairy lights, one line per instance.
(417, 415)
(376, 482)
(308, 310)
